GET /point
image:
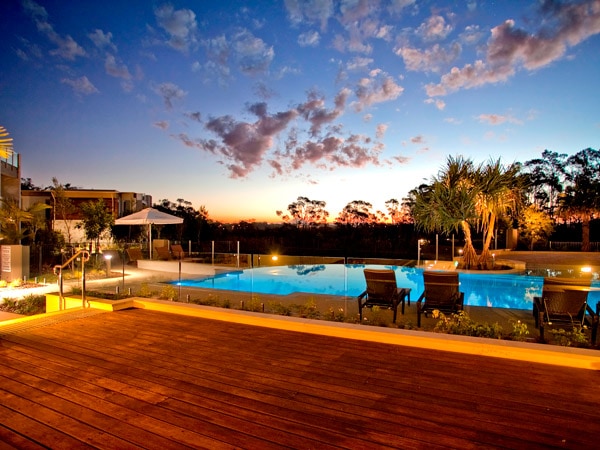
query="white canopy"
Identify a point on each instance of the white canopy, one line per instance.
(149, 216)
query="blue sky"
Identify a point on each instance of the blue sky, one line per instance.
(244, 106)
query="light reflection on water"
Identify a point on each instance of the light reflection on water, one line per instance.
(493, 290)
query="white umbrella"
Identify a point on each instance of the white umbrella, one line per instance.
(149, 216)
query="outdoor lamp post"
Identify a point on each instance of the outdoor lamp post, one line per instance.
(107, 258)
(419, 242)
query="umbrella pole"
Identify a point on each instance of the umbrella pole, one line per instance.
(150, 238)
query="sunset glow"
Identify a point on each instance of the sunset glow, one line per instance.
(243, 108)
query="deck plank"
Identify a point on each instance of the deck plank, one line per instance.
(147, 379)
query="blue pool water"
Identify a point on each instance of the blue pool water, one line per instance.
(492, 290)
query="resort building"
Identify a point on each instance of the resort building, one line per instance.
(65, 220)
(10, 177)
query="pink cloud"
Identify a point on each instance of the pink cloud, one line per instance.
(510, 47)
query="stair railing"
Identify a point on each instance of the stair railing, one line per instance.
(58, 270)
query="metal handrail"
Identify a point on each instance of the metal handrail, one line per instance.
(58, 270)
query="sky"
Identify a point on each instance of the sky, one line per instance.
(244, 106)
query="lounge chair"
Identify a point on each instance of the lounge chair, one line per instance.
(564, 302)
(163, 253)
(177, 251)
(383, 291)
(441, 293)
(134, 255)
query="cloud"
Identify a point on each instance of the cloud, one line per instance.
(434, 28)
(417, 139)
(432, 59)
(496, 119)
(314, 111)
(510, 48)
(397, 6)
(333, 151)
(162, 125)
(381, 129)
(180, 25)
(67, 48)
(244, 144)
(309, 39)
(252, 54)
(439, 104)
(115, 70)
(309, 11)
(359, 63)
(170, 92)
(401, 159)
(195, 116)
(378, 88)
(81, 85)
(470, 76)
(102, 40)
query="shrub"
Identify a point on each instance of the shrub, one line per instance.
(460, 323)
(168, 292)
(574, 338)
(28, 305)
(519, 331)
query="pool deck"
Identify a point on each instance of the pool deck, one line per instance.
(152, 376)
(161, 374)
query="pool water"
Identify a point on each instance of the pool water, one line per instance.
(493, 290)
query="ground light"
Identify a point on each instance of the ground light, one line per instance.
(108, 257)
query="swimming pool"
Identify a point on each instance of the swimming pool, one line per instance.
(492, 290)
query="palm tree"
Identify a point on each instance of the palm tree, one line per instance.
(448, 204)
(6, 148)
(498, 193)
(11, 218)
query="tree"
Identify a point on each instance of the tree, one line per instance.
(64, 208)
(96, 219)
(6, 146)
(448, 204)
(535, 225)
(545, 180)
(398, 212)
(13, 217)
(306, 213)
(356, 213)
(498, 193)
(581, 198)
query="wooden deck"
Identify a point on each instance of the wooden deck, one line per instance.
(146, 379)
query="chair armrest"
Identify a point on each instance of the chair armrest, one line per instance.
(361, 296)
(420, 300)
(591, 312)
(461, 299)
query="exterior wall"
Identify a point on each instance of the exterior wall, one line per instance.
(10, 177)
(119, 203)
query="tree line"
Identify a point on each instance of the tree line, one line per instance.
(539, 197)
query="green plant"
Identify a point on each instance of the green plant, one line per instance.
(309, 310)
(28, 305)
(335, 315)
(254, 304)
(145, 291)
(376, 317)
(519, 331)
(280, 309)
(574, 338)
(460, 323)
(168, 292)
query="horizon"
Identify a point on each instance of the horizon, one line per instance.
(243, 109)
